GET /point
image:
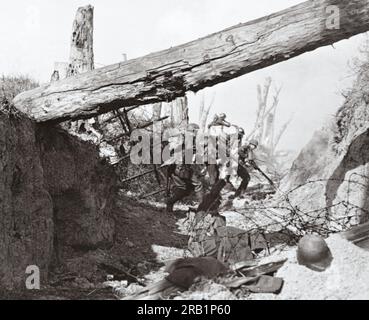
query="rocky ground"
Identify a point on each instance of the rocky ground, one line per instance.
(346, 278)
(126, 242)
(147, 239)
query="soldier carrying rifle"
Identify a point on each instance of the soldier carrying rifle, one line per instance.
(185, 177)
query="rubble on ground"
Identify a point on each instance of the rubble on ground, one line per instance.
(207, 290)
(346, 279)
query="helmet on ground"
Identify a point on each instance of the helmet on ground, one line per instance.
(314, 253)
(254, 142)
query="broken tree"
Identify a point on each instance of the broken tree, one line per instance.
(165, 75)
(81, 52)
(81, 57)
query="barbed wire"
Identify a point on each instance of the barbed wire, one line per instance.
(289, 221)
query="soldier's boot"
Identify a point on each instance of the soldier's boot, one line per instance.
(229, 187)
(242, 188)
(197, 187)
(211, 200)
(245, 176)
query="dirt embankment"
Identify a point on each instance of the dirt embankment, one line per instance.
(55, 195)
(331, 173)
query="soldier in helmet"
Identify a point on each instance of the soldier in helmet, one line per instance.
(185, 181)
(219, 120)
(193, 128)
(186, 177)
(246, 158)
(213, 169)
(241, 133)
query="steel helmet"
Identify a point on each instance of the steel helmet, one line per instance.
(254, 142)
(241, 131)
(222, 116)
(314, 253)
(193, 127)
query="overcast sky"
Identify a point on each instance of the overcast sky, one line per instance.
(36, 33)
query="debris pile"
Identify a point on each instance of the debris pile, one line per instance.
(207, 290)
(278, 276)
(346, 279)
(205, 278)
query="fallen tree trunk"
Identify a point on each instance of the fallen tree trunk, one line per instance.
(165, 75)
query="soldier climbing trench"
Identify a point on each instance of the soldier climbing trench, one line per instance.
(246, 158)
(185, 177)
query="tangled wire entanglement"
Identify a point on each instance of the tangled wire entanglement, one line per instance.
(287, 212)
(283, 219)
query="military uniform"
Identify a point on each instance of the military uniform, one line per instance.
(219, 120)
(213, 172)
(213, 168)
(186, 178)
(245, 154)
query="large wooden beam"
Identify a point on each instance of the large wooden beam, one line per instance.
(165, 75)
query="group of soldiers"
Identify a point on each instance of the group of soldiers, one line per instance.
(188, 178)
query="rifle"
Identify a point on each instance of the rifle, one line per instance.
(152, 193)
(168, 184)
(136, 176)
(255, 166)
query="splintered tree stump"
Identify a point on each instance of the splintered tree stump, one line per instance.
(179, 112)
(219, 57)
(81, 57)
(81, 51)
(156, 112)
